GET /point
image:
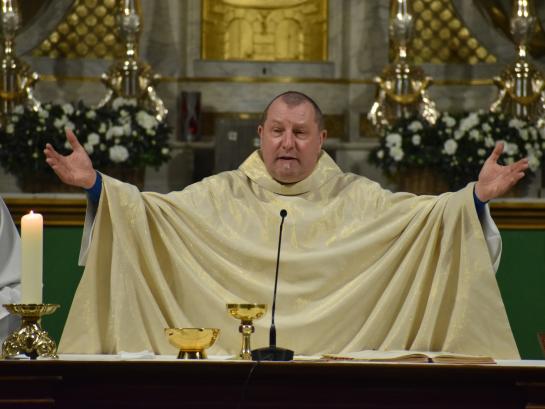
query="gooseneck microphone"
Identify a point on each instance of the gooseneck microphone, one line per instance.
(272, 352)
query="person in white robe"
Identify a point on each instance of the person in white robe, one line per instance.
(362, 268)
(10, 271)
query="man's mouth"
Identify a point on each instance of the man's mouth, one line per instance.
(286, 158)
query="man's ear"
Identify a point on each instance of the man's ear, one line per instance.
(323, 136)
(260, 131)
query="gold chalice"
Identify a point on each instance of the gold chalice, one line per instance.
(192, 342)
(246, 313)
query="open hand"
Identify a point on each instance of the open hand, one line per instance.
(75, 169)
(494, 179)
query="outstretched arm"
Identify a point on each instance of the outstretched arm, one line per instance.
(75, 169)
(494, 179)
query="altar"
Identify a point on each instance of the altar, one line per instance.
(164, 382)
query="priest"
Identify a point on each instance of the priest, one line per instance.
(10, 271)
(361, 267)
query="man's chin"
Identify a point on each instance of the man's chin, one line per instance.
(287, 179)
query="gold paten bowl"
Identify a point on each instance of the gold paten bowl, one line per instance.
(192, 342)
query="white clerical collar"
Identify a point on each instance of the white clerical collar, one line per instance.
(255, 169)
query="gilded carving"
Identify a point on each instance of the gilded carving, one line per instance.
(288, 30)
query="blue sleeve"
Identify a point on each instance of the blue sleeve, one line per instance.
(479, 206)
(94, 193)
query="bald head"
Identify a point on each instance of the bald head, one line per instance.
(293, 99)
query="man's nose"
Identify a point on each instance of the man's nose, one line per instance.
(288, 140)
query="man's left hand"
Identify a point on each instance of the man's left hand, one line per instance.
(494, 179)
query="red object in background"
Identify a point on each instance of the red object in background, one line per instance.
(190, 115)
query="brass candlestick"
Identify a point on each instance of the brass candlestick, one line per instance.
(246, 313)
(30, 339)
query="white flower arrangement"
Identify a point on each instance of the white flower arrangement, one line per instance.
(120, 135)
(458, 145)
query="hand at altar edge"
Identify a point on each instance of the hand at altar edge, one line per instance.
(494, 179)
(75, 169)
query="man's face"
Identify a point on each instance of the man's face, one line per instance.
(290, 141)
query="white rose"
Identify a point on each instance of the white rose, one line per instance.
(145, 120)
(516, 123)
(91, 114)
(60, 122)
(43, 113)
(533, 163)
(114, 131)
(458, 134)
(396, 153)
(68, 109)
(166, 151)
(10, 128)
(393, 139)
(450, 146)
(19, 109)
(119, 102)
(88, 148)
(93, 139)
(380, 154)
(415, 126)
(486, 127)
(118, 153)
(449, 121)
(489, 142)
(524, 134)
(127, 129)
(481, 152)
(474, 134)
(416, 139)
(67, 145)
(510, 148)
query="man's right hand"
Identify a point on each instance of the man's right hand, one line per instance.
(75, 169)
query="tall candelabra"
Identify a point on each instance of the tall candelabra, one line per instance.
(402, 86)
(16, 77)
(521, 85)
(129, 77)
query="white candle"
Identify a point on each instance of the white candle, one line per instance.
(31, 258)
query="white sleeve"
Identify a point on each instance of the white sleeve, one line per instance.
(492, 236)
(90, 214)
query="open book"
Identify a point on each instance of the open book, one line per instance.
(410, 356)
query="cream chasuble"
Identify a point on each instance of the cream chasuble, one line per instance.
(361, 267)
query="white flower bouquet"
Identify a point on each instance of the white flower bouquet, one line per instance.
(122, 135)
(465, 150)
(410, 143)
(457, 146)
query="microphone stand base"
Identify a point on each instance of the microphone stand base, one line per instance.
(272, 354)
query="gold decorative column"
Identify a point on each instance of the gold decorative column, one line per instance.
(521, 86)
(16, 77)
(401, 89)
(129, 77)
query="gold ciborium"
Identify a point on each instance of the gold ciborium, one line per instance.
(246, 313)
(192, 342)
(30, 340)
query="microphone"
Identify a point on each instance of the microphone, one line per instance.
(272, 352)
